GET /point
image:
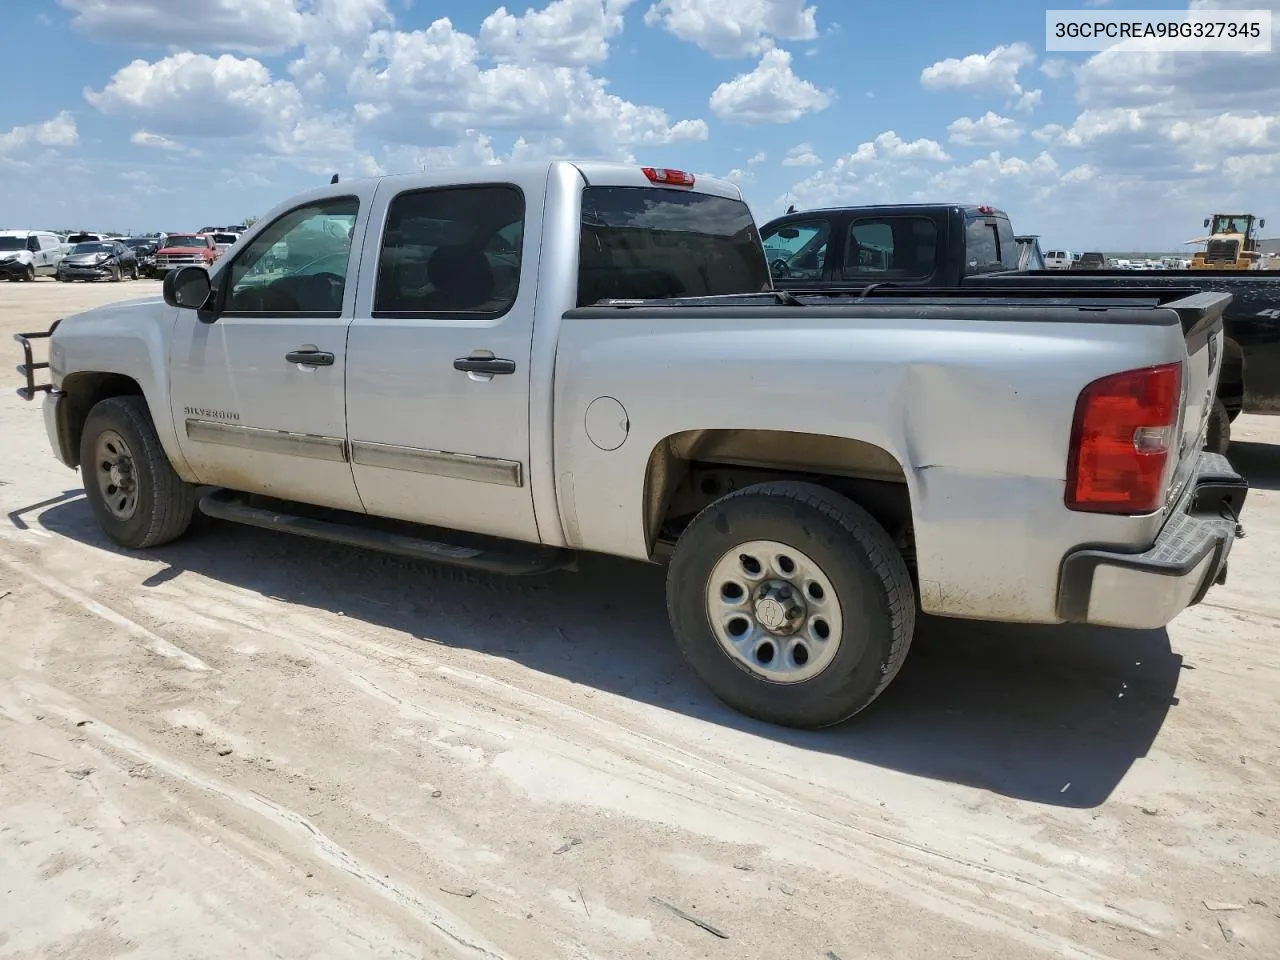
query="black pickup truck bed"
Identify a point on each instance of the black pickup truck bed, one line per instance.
(1250, 379)
(951, 246)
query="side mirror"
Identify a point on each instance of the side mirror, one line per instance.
(788, 233)
(187, 287)
(1262, 224)
(1206, 222)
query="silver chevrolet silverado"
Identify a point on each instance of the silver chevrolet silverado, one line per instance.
(503, 367)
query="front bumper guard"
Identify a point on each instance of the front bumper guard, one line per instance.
(30, 366)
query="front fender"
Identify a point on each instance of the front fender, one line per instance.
(130, 340)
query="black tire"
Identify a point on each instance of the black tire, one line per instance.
(165, 503)
(857, 556)
(116, 273)
(1217, 437)
(30, 275)
(133, 272)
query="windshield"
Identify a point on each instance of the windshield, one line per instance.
(225, 238)
(1226, 223)
(13, 243)
(93, 248)
(136, 242)
(185, 240)
(646, 242)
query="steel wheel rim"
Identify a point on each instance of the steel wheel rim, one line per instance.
(113, 468)
(774, 611)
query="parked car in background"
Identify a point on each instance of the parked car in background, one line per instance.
(144, 248)
(27, 254)
(1030, 256)
(184, 250)
(99, 260)
(82, 237)
(223, 242)
(948, 247)
(1059, 259)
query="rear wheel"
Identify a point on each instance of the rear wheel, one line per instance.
(136, 497)
(791, 603)
(133, 272)
(1218, 435)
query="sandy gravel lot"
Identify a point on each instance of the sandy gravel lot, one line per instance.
(249, 745)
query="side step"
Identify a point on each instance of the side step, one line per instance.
(508, 557)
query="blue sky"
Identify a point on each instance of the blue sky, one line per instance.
(129, 117)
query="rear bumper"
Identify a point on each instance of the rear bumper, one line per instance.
(1145, 591)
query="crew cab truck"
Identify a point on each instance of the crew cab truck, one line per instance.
(505, 367)
(947, 246)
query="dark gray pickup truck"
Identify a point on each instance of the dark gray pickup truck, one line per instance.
(949, 246)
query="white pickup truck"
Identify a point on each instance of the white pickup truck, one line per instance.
(503, 367)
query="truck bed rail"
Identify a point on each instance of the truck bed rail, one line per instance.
(29, 366)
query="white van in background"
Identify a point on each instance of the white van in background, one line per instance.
(27, 254)
(1058, 259)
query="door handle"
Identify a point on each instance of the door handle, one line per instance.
(489, 365)
(310, 358)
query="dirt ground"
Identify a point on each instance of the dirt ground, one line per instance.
(246, 744)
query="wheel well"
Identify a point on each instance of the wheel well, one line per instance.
(689, 470)
(1231, 377)
(82, 391)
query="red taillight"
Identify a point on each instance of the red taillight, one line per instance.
(672, 178)
(986, 211)
(1125, 428)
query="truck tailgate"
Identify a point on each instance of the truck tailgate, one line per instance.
(1201, 318)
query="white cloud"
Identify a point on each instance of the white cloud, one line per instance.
(801, 155)
(988, 178)
(994, 71)
(144, 138)
(1056, 68)
(254, 26)
(868, 174)
(425, 87)
(757, 158)
(563, 33)
(197, 95)
(988, 130)
(60, 131)
(1029, 100)
(1092, 126)
(734, 28)
(1226, 132)
(771, 93)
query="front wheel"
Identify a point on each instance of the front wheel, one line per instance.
(133, 272)
(135, 495)
(30, 274)
(116, 274)
(791, 603)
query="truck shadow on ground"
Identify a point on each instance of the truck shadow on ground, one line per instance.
(1259, 463)
(1055, 715)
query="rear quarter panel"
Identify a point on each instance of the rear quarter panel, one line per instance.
(978, 413)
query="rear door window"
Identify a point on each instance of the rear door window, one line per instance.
(451, 250)
(890, 248)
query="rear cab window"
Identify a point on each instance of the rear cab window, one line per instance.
(651, 242)
(989, 245)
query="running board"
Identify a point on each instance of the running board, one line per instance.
(508, 557)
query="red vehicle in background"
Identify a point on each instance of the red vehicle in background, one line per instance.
(182, 250)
